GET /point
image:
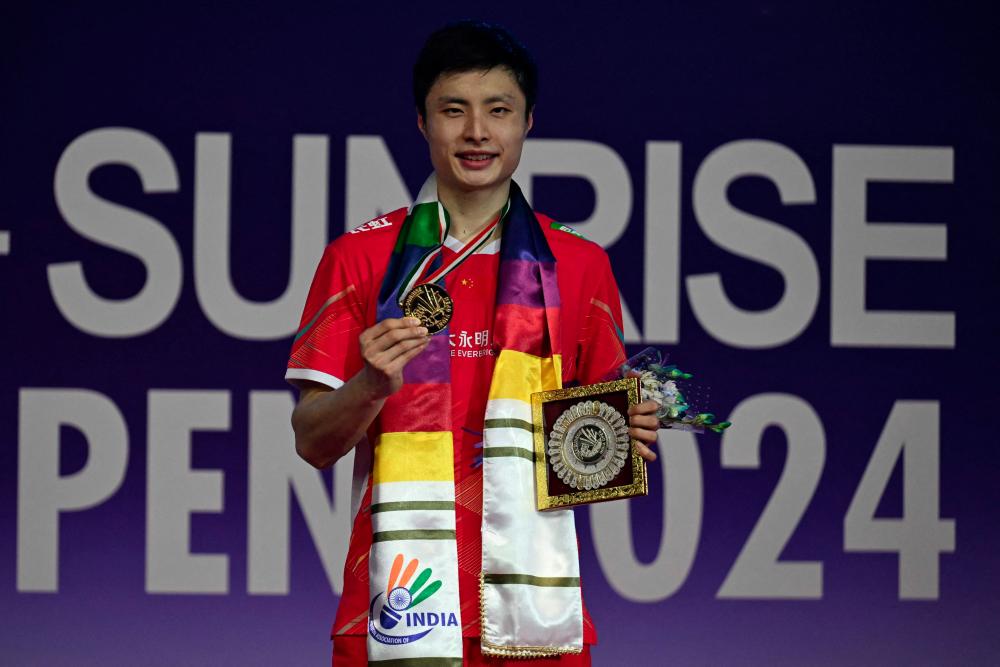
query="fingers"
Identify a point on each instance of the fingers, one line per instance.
(387, 360)
(642, 434)
(643, 421)
(396, 356)
(643, 424)
(650, 422)
(385, 336)
(644, 408)
(386, 348)
(645, 452)
(404, 358)
(390, 331)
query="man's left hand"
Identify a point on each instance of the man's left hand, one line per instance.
(643, 424)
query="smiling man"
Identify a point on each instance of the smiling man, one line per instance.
(424, 334)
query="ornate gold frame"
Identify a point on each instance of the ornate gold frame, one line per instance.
(637, 486)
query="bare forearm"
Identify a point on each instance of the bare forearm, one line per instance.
(328, 424)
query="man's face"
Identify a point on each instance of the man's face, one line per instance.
(475, 126)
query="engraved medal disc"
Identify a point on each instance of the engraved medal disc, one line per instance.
(431, 305)
(589, 445)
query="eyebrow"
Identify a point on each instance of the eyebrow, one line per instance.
(509, 99)
(500, 98)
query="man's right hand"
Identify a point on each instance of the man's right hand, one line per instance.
(386, 348)
(328, 423)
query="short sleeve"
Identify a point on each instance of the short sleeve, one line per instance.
(602, 345)
(326, 348)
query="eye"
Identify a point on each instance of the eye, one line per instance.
(452, 111)
(501, 111)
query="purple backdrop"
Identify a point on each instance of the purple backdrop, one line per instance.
(764, 143)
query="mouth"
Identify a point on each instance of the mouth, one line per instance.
(476, 159)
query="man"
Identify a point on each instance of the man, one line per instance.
(448, 558)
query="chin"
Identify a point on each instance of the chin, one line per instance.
(475, 182)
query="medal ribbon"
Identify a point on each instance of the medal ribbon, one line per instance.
(416, 276)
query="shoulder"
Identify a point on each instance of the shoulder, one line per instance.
(567, 243)
(361, 255)
(376, 237)
(382, 229)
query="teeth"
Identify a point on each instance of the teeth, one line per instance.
(476, 157)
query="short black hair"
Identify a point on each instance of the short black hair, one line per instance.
(466, 46)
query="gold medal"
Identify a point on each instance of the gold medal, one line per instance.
(431, 305)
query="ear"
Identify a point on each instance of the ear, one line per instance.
(421, 124)
(531, 121)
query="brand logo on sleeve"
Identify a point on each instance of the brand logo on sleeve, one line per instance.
(393, 617)
(566, 228)
(377, 223)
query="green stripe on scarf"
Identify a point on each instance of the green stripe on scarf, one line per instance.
(401, 505)
(491, 452)
(424, 229)
(508, 423)
(554, 582)
(390, 535)
(418, 662)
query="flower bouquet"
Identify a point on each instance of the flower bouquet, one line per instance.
(668, 386)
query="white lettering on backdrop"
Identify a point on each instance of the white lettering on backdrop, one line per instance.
(42, 493)
(374, 186)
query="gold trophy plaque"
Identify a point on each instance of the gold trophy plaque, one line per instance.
(583, 453)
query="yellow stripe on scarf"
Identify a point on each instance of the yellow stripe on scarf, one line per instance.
(414, 457)
(518, 374)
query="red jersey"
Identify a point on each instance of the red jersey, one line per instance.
(342, 303)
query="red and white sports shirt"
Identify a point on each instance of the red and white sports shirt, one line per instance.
(342, 303)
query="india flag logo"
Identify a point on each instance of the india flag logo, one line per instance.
(401, 595)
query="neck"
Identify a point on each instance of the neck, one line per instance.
(471, 211)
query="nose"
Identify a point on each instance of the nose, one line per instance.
(476, 127)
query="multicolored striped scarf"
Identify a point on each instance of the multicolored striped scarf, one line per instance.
(530, 584)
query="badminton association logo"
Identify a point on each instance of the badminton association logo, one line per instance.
(393, 617)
